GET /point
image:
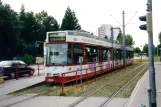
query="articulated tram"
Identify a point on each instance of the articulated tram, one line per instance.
(67, 51)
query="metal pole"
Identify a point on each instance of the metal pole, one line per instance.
(38, 69)
(149, 96)
(112, 47)
(160, 54)
(141, 57)
(151, 57)
(81, 71)
(157, 50)
(124, 50)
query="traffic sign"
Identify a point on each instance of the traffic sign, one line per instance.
(38, 60)
(1, 80)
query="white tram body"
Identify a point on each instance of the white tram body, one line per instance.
(68, 54)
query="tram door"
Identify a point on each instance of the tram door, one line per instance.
(100, 54)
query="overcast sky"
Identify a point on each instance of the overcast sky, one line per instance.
(92, 13)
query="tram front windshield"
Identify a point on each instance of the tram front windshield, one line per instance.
(59, 54)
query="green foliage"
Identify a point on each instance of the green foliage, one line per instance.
(128, 39)
(29, 59)
(20, 31)
(62, 93)
(70, 22)
(119, 39)
(145, 49)
(9, 32)
(159, 37)
(158, 49)
(137, 50)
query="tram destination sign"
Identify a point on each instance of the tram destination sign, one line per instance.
(57, 37)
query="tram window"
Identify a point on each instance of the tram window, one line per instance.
(131, 54)
(119, 54)
(78, 52)
(59, 54)
(127, 54)
(115, 54)
(106, 54)
(91, 53)
(69, 55)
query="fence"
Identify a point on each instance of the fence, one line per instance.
(38, 68)
(86, 74)
(15, 70)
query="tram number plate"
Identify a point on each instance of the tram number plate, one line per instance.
(50, 80)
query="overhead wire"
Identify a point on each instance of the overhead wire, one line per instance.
(115, 20)
(131, 18)
(128, 21)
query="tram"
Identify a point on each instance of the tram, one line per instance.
(73, 50)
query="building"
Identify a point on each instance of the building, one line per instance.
(105, 30)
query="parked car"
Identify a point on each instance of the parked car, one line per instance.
(8, 68)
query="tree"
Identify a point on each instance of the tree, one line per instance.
(145, 49)
(47, 23)
(70, 22)
(159, 51)
(119, 39)
(137, 50)
(159, 37)
(128, 39)
(9, 32)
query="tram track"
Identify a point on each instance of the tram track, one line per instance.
(108, 77)
(118, 91)
(106, 85)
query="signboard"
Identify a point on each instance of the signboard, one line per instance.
(39, 60)
(1, 80)
(57, 37)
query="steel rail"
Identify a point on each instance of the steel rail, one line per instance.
(106, 84)
(117, 92)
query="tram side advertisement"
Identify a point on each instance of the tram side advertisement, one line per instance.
(57, 37)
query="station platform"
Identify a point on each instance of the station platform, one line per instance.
(140, 94)
(12, 85)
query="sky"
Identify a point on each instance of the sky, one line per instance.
(92, 13)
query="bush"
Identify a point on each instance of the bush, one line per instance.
(62, 93)
(29, 59)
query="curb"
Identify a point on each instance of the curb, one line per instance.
(136, 89)
(31, 86)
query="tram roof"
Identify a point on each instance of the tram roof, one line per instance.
(84, 33)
